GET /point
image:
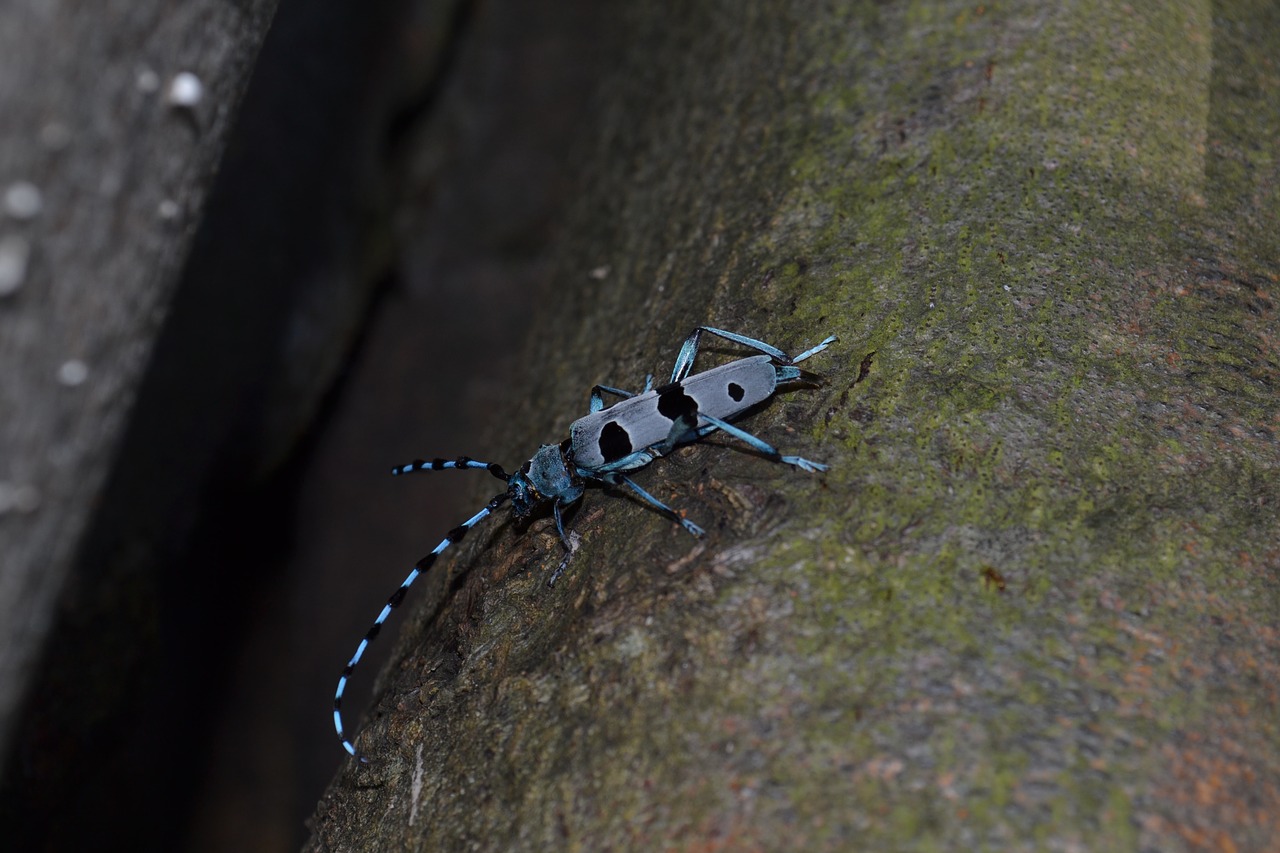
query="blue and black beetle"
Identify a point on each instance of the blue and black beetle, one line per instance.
(611, 441)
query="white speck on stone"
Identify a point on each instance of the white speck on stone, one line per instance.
(147, 81)
(18, 497)
(600, 273)
(55, 136)
(169, 209)
(416, 787)
(110, 184)
(633, 644)
(185, 91)
(26, 498)
(14, 252)
(23, 200)
(73, 372)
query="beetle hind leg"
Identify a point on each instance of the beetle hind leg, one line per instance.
(660, 506)
(764, 447)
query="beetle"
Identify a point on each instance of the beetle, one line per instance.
(610, 442)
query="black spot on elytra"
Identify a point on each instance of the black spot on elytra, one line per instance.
(615, 443)
(736, 392)
(674, 404)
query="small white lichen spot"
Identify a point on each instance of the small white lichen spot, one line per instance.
(18, 497)
(6, 497)
(169, 209)
(22, 200)
(55, 136)
(73, 372)
(147, 81)
(14, 252)
(110, 184)
(416, 787)
(185, 90)
(600, 273)
(27, 498)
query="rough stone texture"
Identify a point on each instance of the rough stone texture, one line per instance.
(1034, 604)
(121, 164)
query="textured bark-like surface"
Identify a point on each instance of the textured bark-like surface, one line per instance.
(1035, 602)
(113, 117)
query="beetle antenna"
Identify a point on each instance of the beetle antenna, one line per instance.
(462, 462)
(455, 536)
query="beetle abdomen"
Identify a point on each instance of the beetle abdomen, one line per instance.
(639, 422)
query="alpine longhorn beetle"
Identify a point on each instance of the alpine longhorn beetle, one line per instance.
(609, 442)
